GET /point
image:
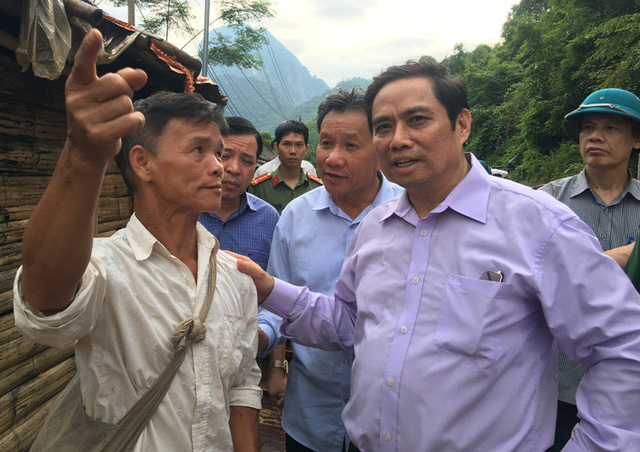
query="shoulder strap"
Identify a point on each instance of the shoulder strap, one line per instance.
(189, 330)
(255, 181)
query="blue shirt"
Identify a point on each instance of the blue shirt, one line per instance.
(309, 245)
(446, 360)
(247, 231)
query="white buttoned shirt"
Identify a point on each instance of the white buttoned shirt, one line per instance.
(132, 296)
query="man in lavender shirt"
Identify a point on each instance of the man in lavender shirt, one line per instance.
(453, 294)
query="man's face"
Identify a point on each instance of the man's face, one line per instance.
(291, 149)
(346, 161)
(239, 161)
(185, 172)
(606, 141)
(413, 139)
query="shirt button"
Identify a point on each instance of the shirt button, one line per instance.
(387, 436)
(423, 233)
(201, 372)
(415, 280)
(404, 330)
(390, 382)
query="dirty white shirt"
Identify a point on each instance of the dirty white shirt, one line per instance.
(133, 294)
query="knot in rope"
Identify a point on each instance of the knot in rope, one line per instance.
(189, 330)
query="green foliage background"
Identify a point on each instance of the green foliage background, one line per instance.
(552, 55)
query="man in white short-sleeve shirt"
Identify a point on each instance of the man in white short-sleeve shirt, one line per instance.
(121, 298)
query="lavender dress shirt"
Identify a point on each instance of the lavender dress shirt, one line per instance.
(445, 361)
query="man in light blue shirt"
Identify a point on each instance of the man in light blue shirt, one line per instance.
(309, 245)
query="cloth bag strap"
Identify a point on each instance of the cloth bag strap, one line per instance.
(190, 330)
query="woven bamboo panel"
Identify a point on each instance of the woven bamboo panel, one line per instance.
(32, 134)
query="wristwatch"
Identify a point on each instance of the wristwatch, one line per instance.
(281, 364)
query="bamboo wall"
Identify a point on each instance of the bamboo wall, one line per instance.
(32, 133)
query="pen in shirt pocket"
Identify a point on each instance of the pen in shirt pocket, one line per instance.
(493, 276)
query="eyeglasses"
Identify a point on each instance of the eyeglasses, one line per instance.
(611, 106)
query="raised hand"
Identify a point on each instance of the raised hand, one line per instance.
(99, 110)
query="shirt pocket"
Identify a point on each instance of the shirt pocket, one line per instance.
(231, 346)
(469, 319)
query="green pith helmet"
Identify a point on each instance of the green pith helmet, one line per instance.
(609, 101)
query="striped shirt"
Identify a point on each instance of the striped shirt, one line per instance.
(615, 224)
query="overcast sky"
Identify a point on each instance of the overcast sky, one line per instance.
(340, 39)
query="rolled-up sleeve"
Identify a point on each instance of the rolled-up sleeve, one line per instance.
(593, 311)
(75, 322)
(246, 386)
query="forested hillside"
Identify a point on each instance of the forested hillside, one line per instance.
(553, 54)
(271, 94)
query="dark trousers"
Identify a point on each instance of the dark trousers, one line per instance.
(294, 446)
(567, 419)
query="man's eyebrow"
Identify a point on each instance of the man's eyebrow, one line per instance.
(378, 119)
(417, 109)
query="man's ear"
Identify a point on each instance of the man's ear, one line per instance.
(141, 159)
(636, 138)
(463, 124)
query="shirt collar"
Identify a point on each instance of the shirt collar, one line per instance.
(581, 183)
(142, 242)
(246, 202)
(469, 198)
(325, 200)
(634, 187)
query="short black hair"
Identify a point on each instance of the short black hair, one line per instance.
(449, 90)
(242, 126)
(341, 102)
(292, 126)
(158, 110)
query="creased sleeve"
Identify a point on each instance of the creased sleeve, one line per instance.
(246, 390)
(75, 322)
(593, 311)
(315, 319)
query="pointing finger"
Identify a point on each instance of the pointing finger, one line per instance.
(84, 66)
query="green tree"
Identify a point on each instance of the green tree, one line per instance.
(553, 54)
(239, 50)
